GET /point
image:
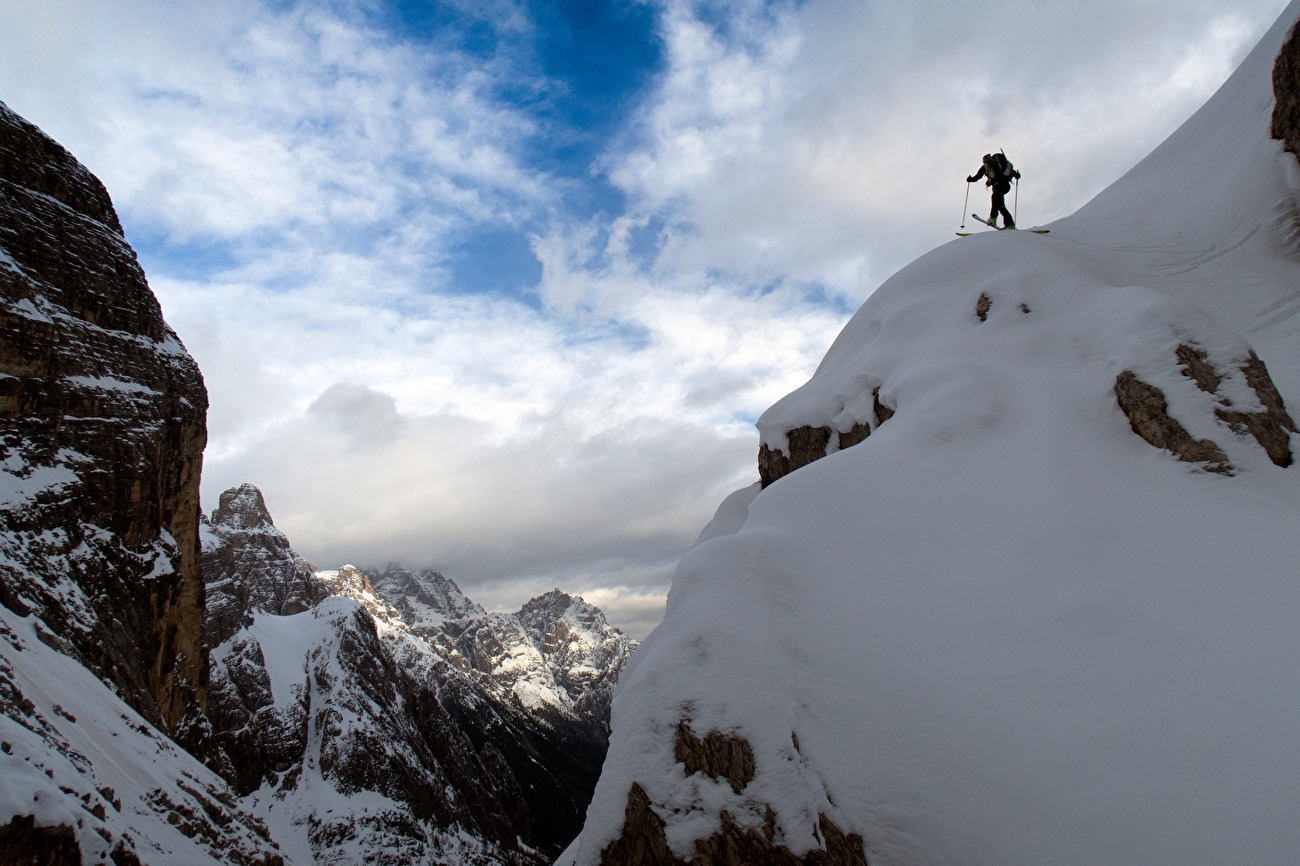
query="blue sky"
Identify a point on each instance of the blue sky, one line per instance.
(579, 69)
(498, 287)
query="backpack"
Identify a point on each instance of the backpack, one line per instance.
(997, 168)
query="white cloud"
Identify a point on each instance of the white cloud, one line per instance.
(831, 144)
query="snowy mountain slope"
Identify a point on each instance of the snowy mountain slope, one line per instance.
(397, 721)
(97, 778)
(1211, 216)
(1002, 627)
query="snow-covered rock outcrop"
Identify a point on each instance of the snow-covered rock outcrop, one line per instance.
(975, 616)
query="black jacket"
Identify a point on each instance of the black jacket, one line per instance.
(989, 170)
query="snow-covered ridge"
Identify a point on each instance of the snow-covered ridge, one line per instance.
(1001, 626)
(557, 652)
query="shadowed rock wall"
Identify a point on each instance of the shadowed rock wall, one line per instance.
(102, 430)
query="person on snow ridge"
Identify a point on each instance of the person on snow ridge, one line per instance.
(999, 172)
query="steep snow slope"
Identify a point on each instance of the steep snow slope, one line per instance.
(1004, 628)
(79, 761)
(1211, 216)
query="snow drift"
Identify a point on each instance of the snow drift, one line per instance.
(993, 623)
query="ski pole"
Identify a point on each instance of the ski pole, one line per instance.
(1015, 204)
(963, 205)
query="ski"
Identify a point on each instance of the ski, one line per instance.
(1031, 231)
(1003, 228)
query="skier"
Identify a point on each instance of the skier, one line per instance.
(998, 173)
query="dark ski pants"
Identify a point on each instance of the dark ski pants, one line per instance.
(1000, 190)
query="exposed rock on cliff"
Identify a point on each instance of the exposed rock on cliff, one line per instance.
(1286, 94)
(102, 432)
(716, 755)
(1268, 424)
(249, 566)
(644, 843)
(807, 443)
(728, 758)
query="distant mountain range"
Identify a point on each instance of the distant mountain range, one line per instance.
(393, 682)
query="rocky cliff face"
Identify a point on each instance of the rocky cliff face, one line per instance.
(249, 566)
(1286, 94)
(102, 416)
(481, 734)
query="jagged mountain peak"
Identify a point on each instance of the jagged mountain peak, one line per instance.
(354, 583)
(242, 507)
(553, 601)
(249, 566)
(556, 619)
(424, 598)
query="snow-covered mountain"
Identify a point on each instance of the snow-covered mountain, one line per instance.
(1022, 584)
(383, 716)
